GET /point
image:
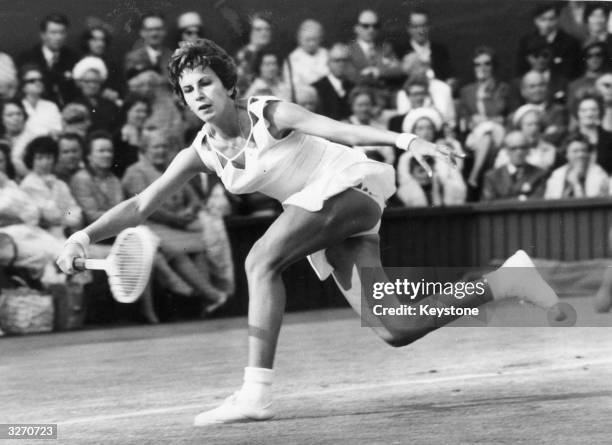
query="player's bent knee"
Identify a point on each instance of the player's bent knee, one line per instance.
(262, 261)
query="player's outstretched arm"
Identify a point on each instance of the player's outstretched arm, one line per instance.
(133, 211)
(288, 116)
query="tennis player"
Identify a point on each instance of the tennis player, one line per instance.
(333, 198)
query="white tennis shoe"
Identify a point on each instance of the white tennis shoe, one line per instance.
(234, 410)
(526, 283)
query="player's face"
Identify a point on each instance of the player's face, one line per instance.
(204, 93)
(70, 154)
(101, 154)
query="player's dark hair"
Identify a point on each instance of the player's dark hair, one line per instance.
(201, 53)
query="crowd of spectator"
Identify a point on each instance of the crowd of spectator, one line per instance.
(82, 130)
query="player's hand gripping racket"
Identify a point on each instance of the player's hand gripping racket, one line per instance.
(128, 264)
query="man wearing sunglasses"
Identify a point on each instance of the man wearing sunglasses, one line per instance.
(372, 63)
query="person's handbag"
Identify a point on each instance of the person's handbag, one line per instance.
(25, 311)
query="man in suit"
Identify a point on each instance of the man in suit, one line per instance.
(54, 58)
(152, 54)
(518, 179)
(333, 90)
(372, 63)
(433, 53)
(565, 49)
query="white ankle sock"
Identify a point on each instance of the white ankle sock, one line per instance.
(257, 386)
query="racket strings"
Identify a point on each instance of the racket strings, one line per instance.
(132, 258)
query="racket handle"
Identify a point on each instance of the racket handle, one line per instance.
(87, 264)
(78, 263)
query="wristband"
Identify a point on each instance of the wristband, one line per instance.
(81, 238)
(404, 140)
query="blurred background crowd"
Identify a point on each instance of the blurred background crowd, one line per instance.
(83, 128)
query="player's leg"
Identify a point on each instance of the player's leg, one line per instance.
(295, 234)
(349, 260)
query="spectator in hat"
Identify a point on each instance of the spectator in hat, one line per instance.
(96, 42)
(415, 188)
(439, 92)
(189, 25)
(529, 120)
(152, 54)
(564, 49)
(595, 56)
(54, 59)
(335, 87)
(307, 63)
(76, 119)
(90, 75)
(43, 115)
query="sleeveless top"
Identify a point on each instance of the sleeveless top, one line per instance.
(299, 169)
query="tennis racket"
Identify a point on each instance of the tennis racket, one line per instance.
(128, 264)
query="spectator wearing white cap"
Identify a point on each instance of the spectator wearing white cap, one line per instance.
(189, 25)
(90, 74)
(308, 62)
(96, 41)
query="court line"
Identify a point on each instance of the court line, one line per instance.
(356, 387)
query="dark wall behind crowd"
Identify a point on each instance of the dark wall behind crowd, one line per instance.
(461, 24)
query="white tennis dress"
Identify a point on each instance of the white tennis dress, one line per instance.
(300, 170)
